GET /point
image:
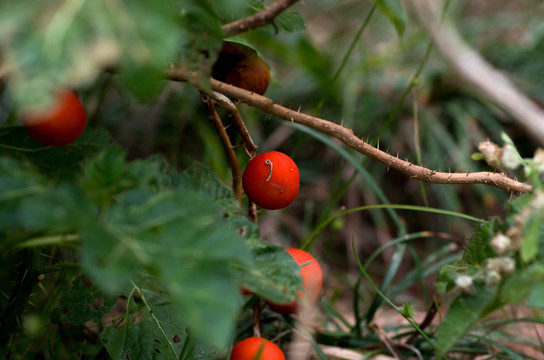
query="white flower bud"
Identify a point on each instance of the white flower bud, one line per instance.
(538, 200)
(539, 161)
(501, 244)
(492, 278)
(510, 157)
(503, 265)
(464, 282)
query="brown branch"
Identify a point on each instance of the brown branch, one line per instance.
(477, 72)
(229, 150)
(247, 143)
(347, 137)
(257, 20)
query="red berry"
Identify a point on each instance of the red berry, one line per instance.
(60, 124)
(271, 180)
(312, 279)
(256, 348)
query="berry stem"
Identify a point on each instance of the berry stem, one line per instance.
(227, 145)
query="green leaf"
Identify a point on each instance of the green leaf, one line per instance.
(202, 41)
(274, 276)
(519, 285)
(463, 313)
(395, 12)
(183, 240)
(148, 330)
(536, 297)
(408, 310)
(288, 21)
(478, 248)
(56, 163)
(108, 174)
(59, 209)
(83, 302)
(529, 246)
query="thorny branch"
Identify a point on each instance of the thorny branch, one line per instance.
(247, 143)
(347, 137)
(257, 20)
(229, 149)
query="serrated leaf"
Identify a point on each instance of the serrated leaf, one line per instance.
(463, 313)
(200, 179)
(148, 330)
(108, 174)
(83, 302)
(181, 239)
(477, 248)
(274, 277)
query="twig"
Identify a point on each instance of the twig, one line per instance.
(257, 318)
(247, 143)
(229, 150)
(257, 20)
(477, 72)
(347, 137)
(387, 341)
(433, 309)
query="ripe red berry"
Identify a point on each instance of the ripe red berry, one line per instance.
(256, 348)
(312, 279)
(271, 180)
(60, 124)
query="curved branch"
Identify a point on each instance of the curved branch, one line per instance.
(347, 137)
(478, 73)
(257, 20)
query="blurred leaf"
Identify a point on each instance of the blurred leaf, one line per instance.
(395, 12)
(274, 277)
(287, 22)
(183, 240)
(54, 162)
(536, 297)
(60, 208)
(203, 40)
(463, 313)
(107, 175)
(529, 246)
(519, 285)
(64, 43)
(18, 179)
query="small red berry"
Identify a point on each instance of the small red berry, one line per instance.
(312, 279)
(60, 124)
(256, 348)
(271, 180)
